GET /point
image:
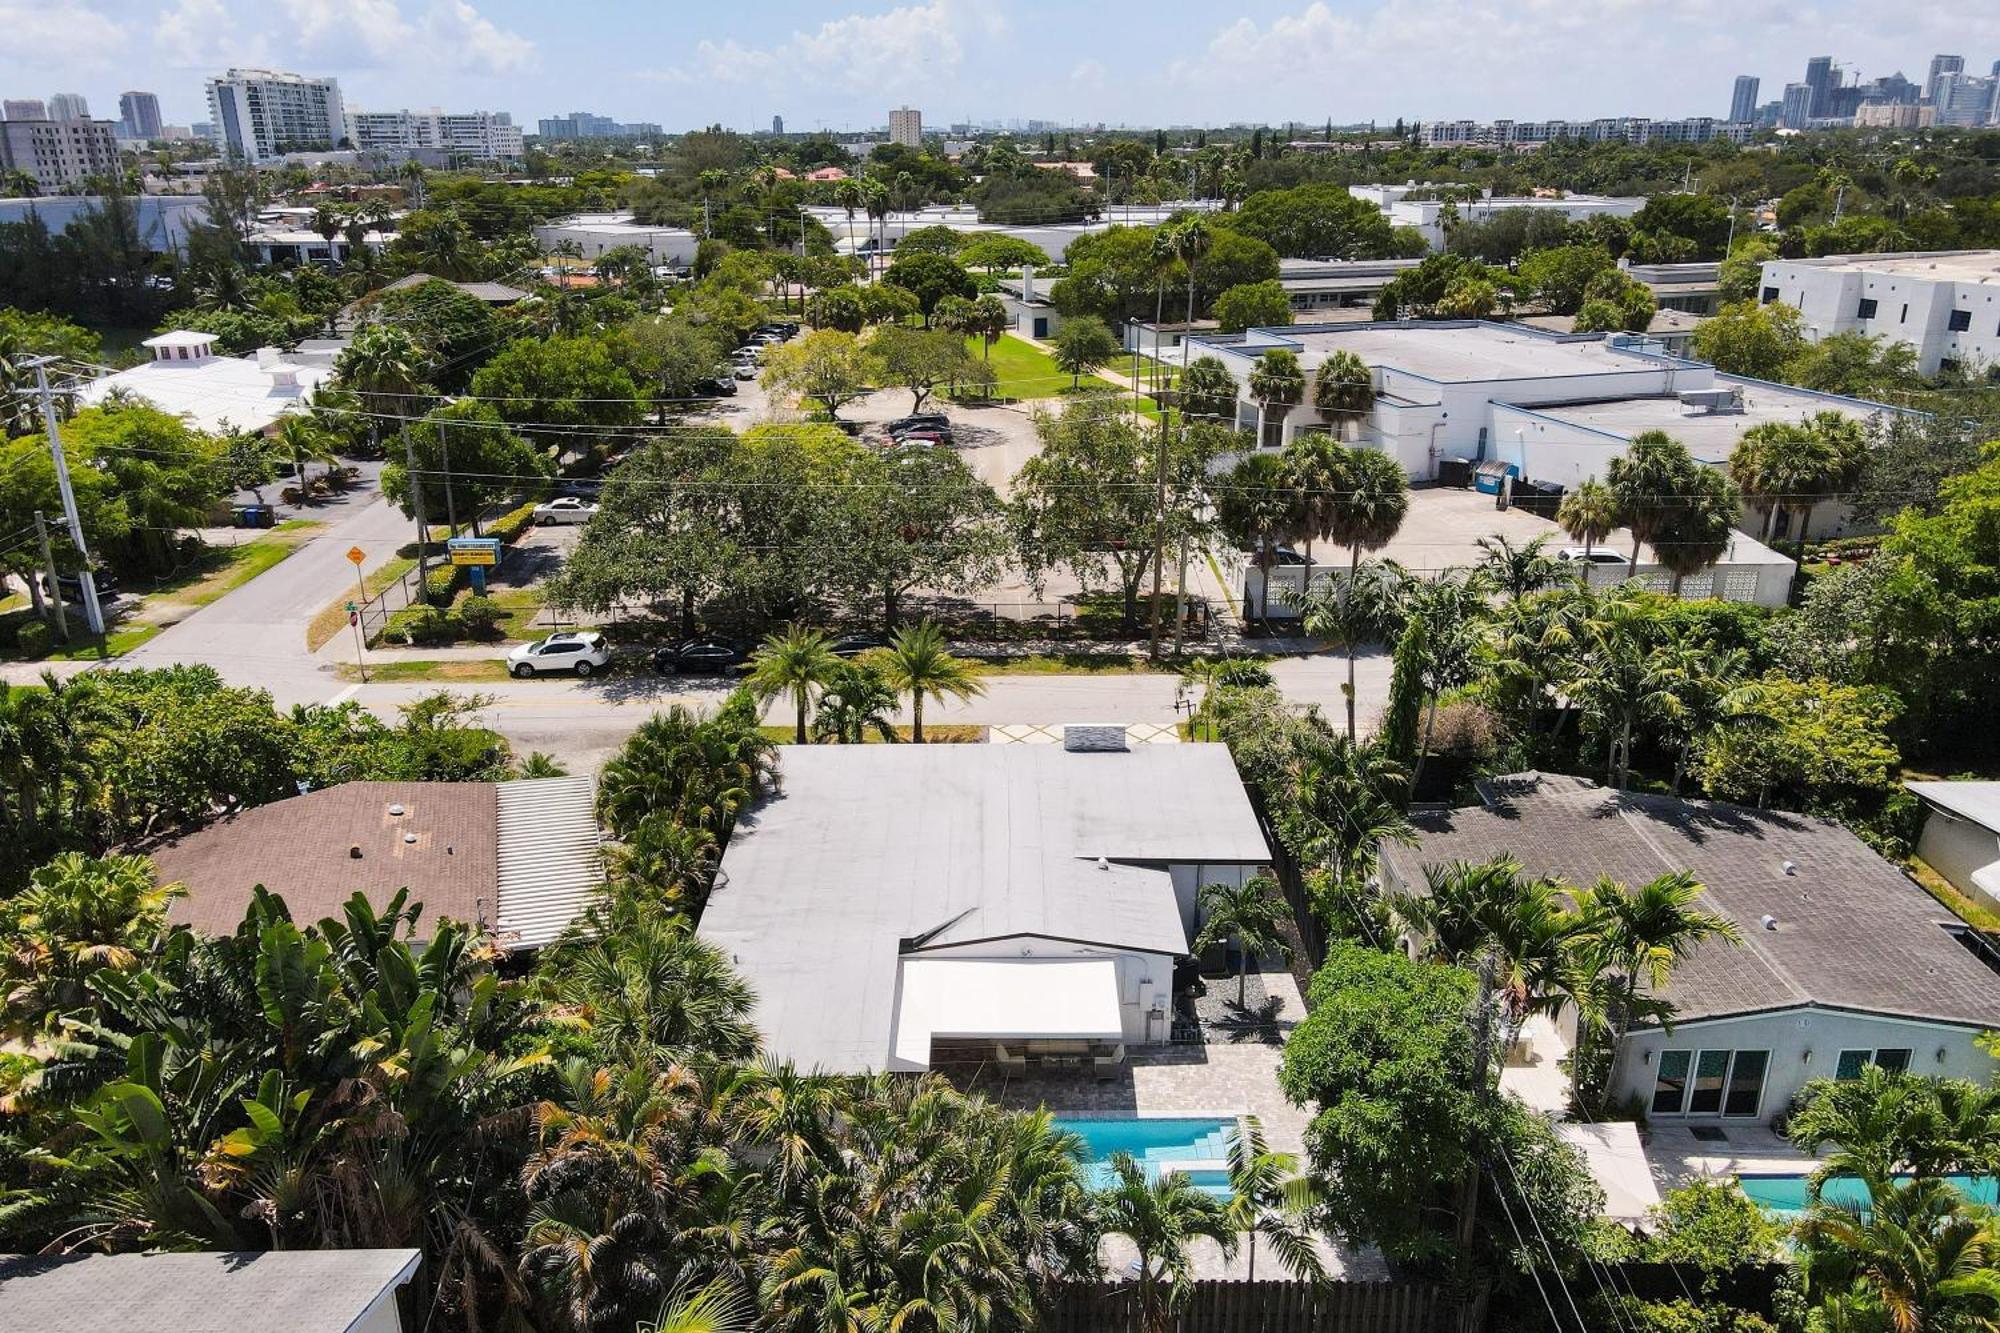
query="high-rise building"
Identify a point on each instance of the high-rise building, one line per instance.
(906, 127)
(68, 106)
(59, 154)
(141, 114)
(24, 108)
(259, 114)
(1941, 66)
(482, 136)
(777, 125)
(1822, 80)
(1743, 101)
(1963, 100)
(585, 125)
(1795, 112)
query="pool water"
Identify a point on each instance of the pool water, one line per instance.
(1786, 1195)
(1155, 1142)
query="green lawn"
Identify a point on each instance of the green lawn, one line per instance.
(493, 670)
(1025, 371)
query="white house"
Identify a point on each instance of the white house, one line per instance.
(219, 395)
(1844, 962)
(1945, 304)
(899, 905)
(1961, 837)
(595, 233)
(300, 1291)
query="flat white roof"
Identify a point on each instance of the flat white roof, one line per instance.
(1709, 436)
(1976, 801)
(1935, 265)
(1618, 1164)
(985, 998)
(1456, 353)
(874, 853)
(216, 394)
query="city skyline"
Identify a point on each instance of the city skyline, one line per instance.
(993, 62)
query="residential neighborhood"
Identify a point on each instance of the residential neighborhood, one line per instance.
(1348, 703)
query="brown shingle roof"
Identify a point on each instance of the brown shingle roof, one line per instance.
(299, 849)
(1851, 933)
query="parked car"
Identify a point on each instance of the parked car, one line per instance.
(853, 645)
(698, 657)
(921, 439)
(1596, 555)
(920, 421)
(583, 488)
(746, 370)
(721, 386)
(72, 586)
(1280, 556)
(566, 509)
(579, 652)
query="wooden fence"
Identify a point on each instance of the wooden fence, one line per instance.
(1265, 1307)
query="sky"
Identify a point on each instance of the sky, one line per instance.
(841, 64)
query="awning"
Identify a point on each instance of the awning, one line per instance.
(1002, 999)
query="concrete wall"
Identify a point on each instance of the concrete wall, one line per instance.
(1190, 880)
(1804, 1044)
(1958, 849)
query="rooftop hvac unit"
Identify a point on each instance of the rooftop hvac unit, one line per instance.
(1713, 401)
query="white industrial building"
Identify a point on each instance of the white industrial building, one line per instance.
(595, 233)
(437, 137)
(898, 906)
(1945, 304)
(256, 115)
(218, 395)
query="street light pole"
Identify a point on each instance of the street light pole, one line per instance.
(86, 577)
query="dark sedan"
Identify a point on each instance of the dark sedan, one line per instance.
(699, 657)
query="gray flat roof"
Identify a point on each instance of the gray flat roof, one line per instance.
(868, 846)
(1976, 801)
(1454, 352)
(1936, 265)
(1852, 932)
(293, 1291)
(1708, 435)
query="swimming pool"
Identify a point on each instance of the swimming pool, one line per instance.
(1197, 1145)
(1785, 1196)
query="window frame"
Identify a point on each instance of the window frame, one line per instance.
(1726, 1089)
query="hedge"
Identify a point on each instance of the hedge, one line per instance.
(510, 525)
(34, 638)
(441, 584)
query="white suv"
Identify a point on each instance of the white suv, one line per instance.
(578, 652)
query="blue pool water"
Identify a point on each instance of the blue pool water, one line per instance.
(1786, 1195)
(1156, 1141)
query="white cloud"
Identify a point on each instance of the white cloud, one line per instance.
(61, 35)
(202, 34)
(472, 42)
(902, 52)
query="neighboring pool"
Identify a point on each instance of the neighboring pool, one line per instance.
(1195, 1144)
(1786, 1195)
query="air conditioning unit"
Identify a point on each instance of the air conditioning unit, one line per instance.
(1713, 401)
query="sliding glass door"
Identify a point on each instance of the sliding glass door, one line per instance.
(1710, 1083)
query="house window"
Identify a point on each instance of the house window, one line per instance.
(1890, 1059)
(1708, 1083)
(1770, 295)
(1866, 310)
(1958, 321)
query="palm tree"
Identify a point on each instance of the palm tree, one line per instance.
(1451, 611)
(78, 917)
(1318, 468)
(1343, 390)
(1618, 678)
(875, 198)
(1190, 236)
(1271, 1197)
(412, 173)
(1647, 481)
(1161, 1218)
(1588, 514)
(1251, 913)
(1520, 570)
(1364, 607)
(1649, 931)
(849, 195)
(1259, 507)
(1277, 381)
(797, 662)
(1371, 508)
(1919, 1260)
(918, 664)
(1698, 531)
(1762, 465)
(855, 702)
(649, 993)
(304, 440)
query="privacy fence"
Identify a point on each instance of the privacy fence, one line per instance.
(1267, 1307)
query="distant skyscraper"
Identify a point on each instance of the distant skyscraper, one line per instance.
(1820, 78)
(68, 106)
(25, 108)
(258, 114)
(1743, 101)
(141, 114)
(906, 127)
(1795, 112)
(1941, 66)
(777, 124)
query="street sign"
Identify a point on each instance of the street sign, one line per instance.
(356, 554)
(474, 550)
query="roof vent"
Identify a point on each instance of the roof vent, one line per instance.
(409, 837)
(1094, 737)
(1790, 867)
(1103, 863)
(354, 851)
(1770, 922)
(395, 809)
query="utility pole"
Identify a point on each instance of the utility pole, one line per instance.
(55, 579)
(1159, 531)
(1482, 1036)
(86, 577)
(417, 504)
(450, 500)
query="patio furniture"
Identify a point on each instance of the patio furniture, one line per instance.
(1007, 1060)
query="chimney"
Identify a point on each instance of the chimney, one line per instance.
(1094, 737)
(1027, 283)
